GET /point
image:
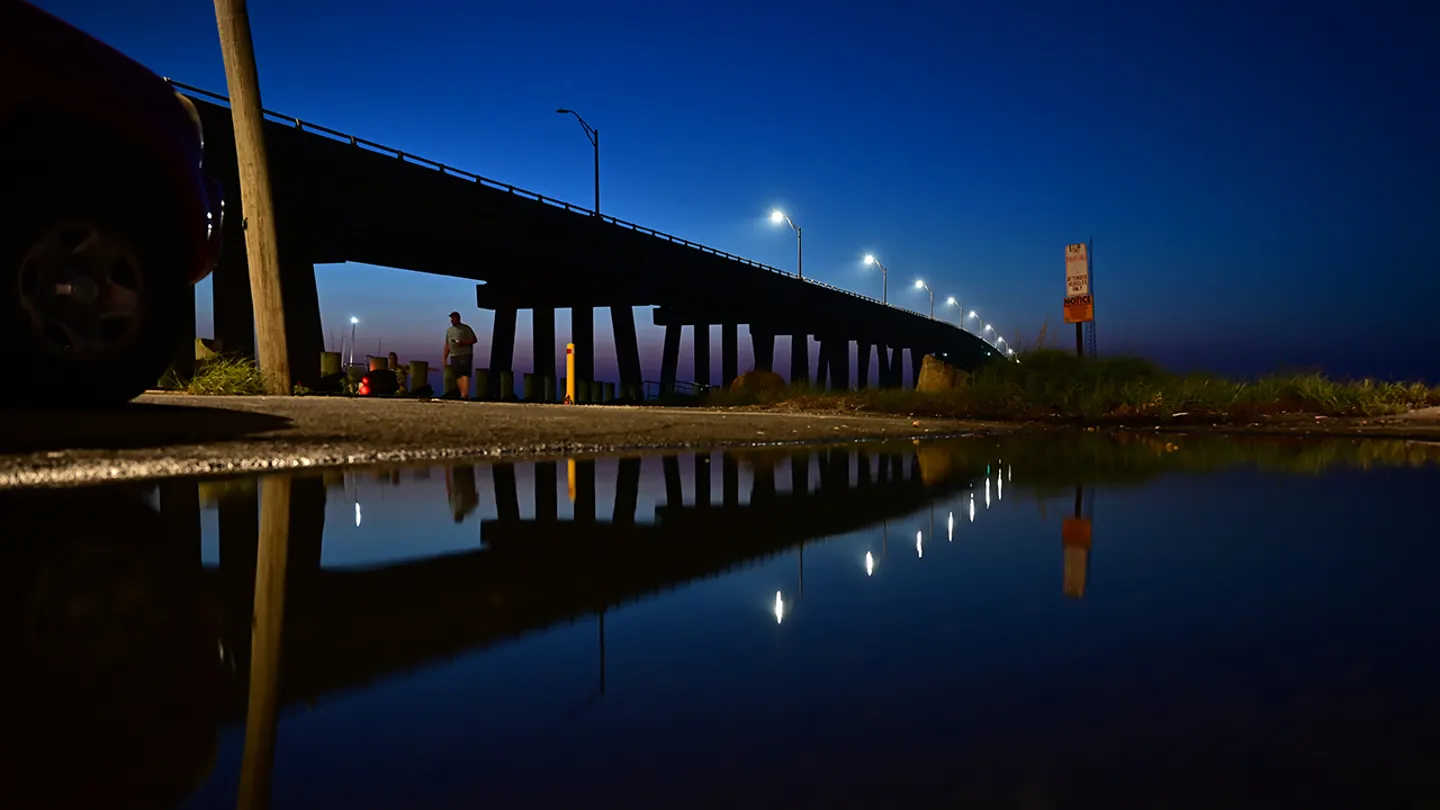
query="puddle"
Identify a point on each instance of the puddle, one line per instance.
(1002, 620)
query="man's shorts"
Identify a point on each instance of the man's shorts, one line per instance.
(460, 366)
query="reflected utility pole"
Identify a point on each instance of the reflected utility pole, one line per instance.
(258, 759)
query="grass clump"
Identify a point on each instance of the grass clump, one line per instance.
(1055, 385)
(226, 376)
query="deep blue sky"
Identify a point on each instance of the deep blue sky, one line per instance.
(1260, 178)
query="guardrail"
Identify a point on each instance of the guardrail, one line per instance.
(372, 146)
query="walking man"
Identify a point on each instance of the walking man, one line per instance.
(459, 355)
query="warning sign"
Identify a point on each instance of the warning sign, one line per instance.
(1079, 309)
(1077, 270)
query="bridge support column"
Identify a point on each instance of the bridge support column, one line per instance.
(627, 352)
(729, 480)
(917, 358)
(882, 360)
(800, 474)
(762, 487)
(840, 364)
(507, 494)
(235, 315)
(822, 363)
(584, 489)
(799, 359)
(764, 346)
(702, 480)
(542, 342)
(897, 370)
(729, 353)
(862, 365)
(702, 353)
(502, 351)
(627, 492)
(674, 486)
(547, 500)
(582, 334)
(670, 359)
(307, 531)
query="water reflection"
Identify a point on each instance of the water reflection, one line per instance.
(538, 562)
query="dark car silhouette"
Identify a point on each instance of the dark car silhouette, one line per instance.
(111, 217)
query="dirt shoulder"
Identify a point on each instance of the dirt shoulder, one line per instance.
(162, 435)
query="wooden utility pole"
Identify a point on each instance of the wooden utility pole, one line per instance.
(257, 216)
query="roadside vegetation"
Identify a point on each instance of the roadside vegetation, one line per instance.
(1054, 385)
(219, 375)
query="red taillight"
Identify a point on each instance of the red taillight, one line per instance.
(365, 386)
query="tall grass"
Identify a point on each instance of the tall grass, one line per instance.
(226, 376)
(1053, 384)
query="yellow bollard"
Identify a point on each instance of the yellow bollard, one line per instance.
(570, 394)
(570, 477)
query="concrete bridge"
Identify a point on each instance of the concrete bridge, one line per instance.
(342, 198)
(346, 627)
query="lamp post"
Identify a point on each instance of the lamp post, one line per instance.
(594, 135)
(777, 216)
(884, 277)
(354, 321)
(921, 285)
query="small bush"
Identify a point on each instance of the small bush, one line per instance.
(226, 376)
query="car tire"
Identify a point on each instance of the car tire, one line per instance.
(89, 300)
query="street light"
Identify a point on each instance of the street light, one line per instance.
(594, 135)
(354, 322)
(884, 277)
(777, 216)
(952, 302)
(920, 285)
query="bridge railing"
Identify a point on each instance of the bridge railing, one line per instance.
(372, 146)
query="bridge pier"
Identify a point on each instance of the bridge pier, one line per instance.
(547, 500)
(627, 352)
(764, 346)
(839, 351)
(702, 480)
(507, 493)
(729, 480)
(670, 359)
(582, 334)
(702, 353)
(762, 487)
(897, 373)
(627, 492)
(800, 474)
(729, 353)
(862, 365)
(822, 363)
(799, 359)
(917, 358)
(542, 344)
(502, 351)
(674, 487)
(584, 490)
(235, 316)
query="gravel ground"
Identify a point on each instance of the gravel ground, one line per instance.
(161, 435)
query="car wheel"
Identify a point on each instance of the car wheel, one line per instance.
(90, 305)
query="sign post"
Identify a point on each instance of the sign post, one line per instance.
(1079, 303)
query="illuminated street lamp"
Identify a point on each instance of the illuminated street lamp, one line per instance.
(593, 135)
(777, 216)
(952, 302)
(884, 277)
(921, 285)
(354, 322)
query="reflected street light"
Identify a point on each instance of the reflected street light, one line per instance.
(777, 216)
(593, 135)
(921, 285)
(354, 322)
(884, 277)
